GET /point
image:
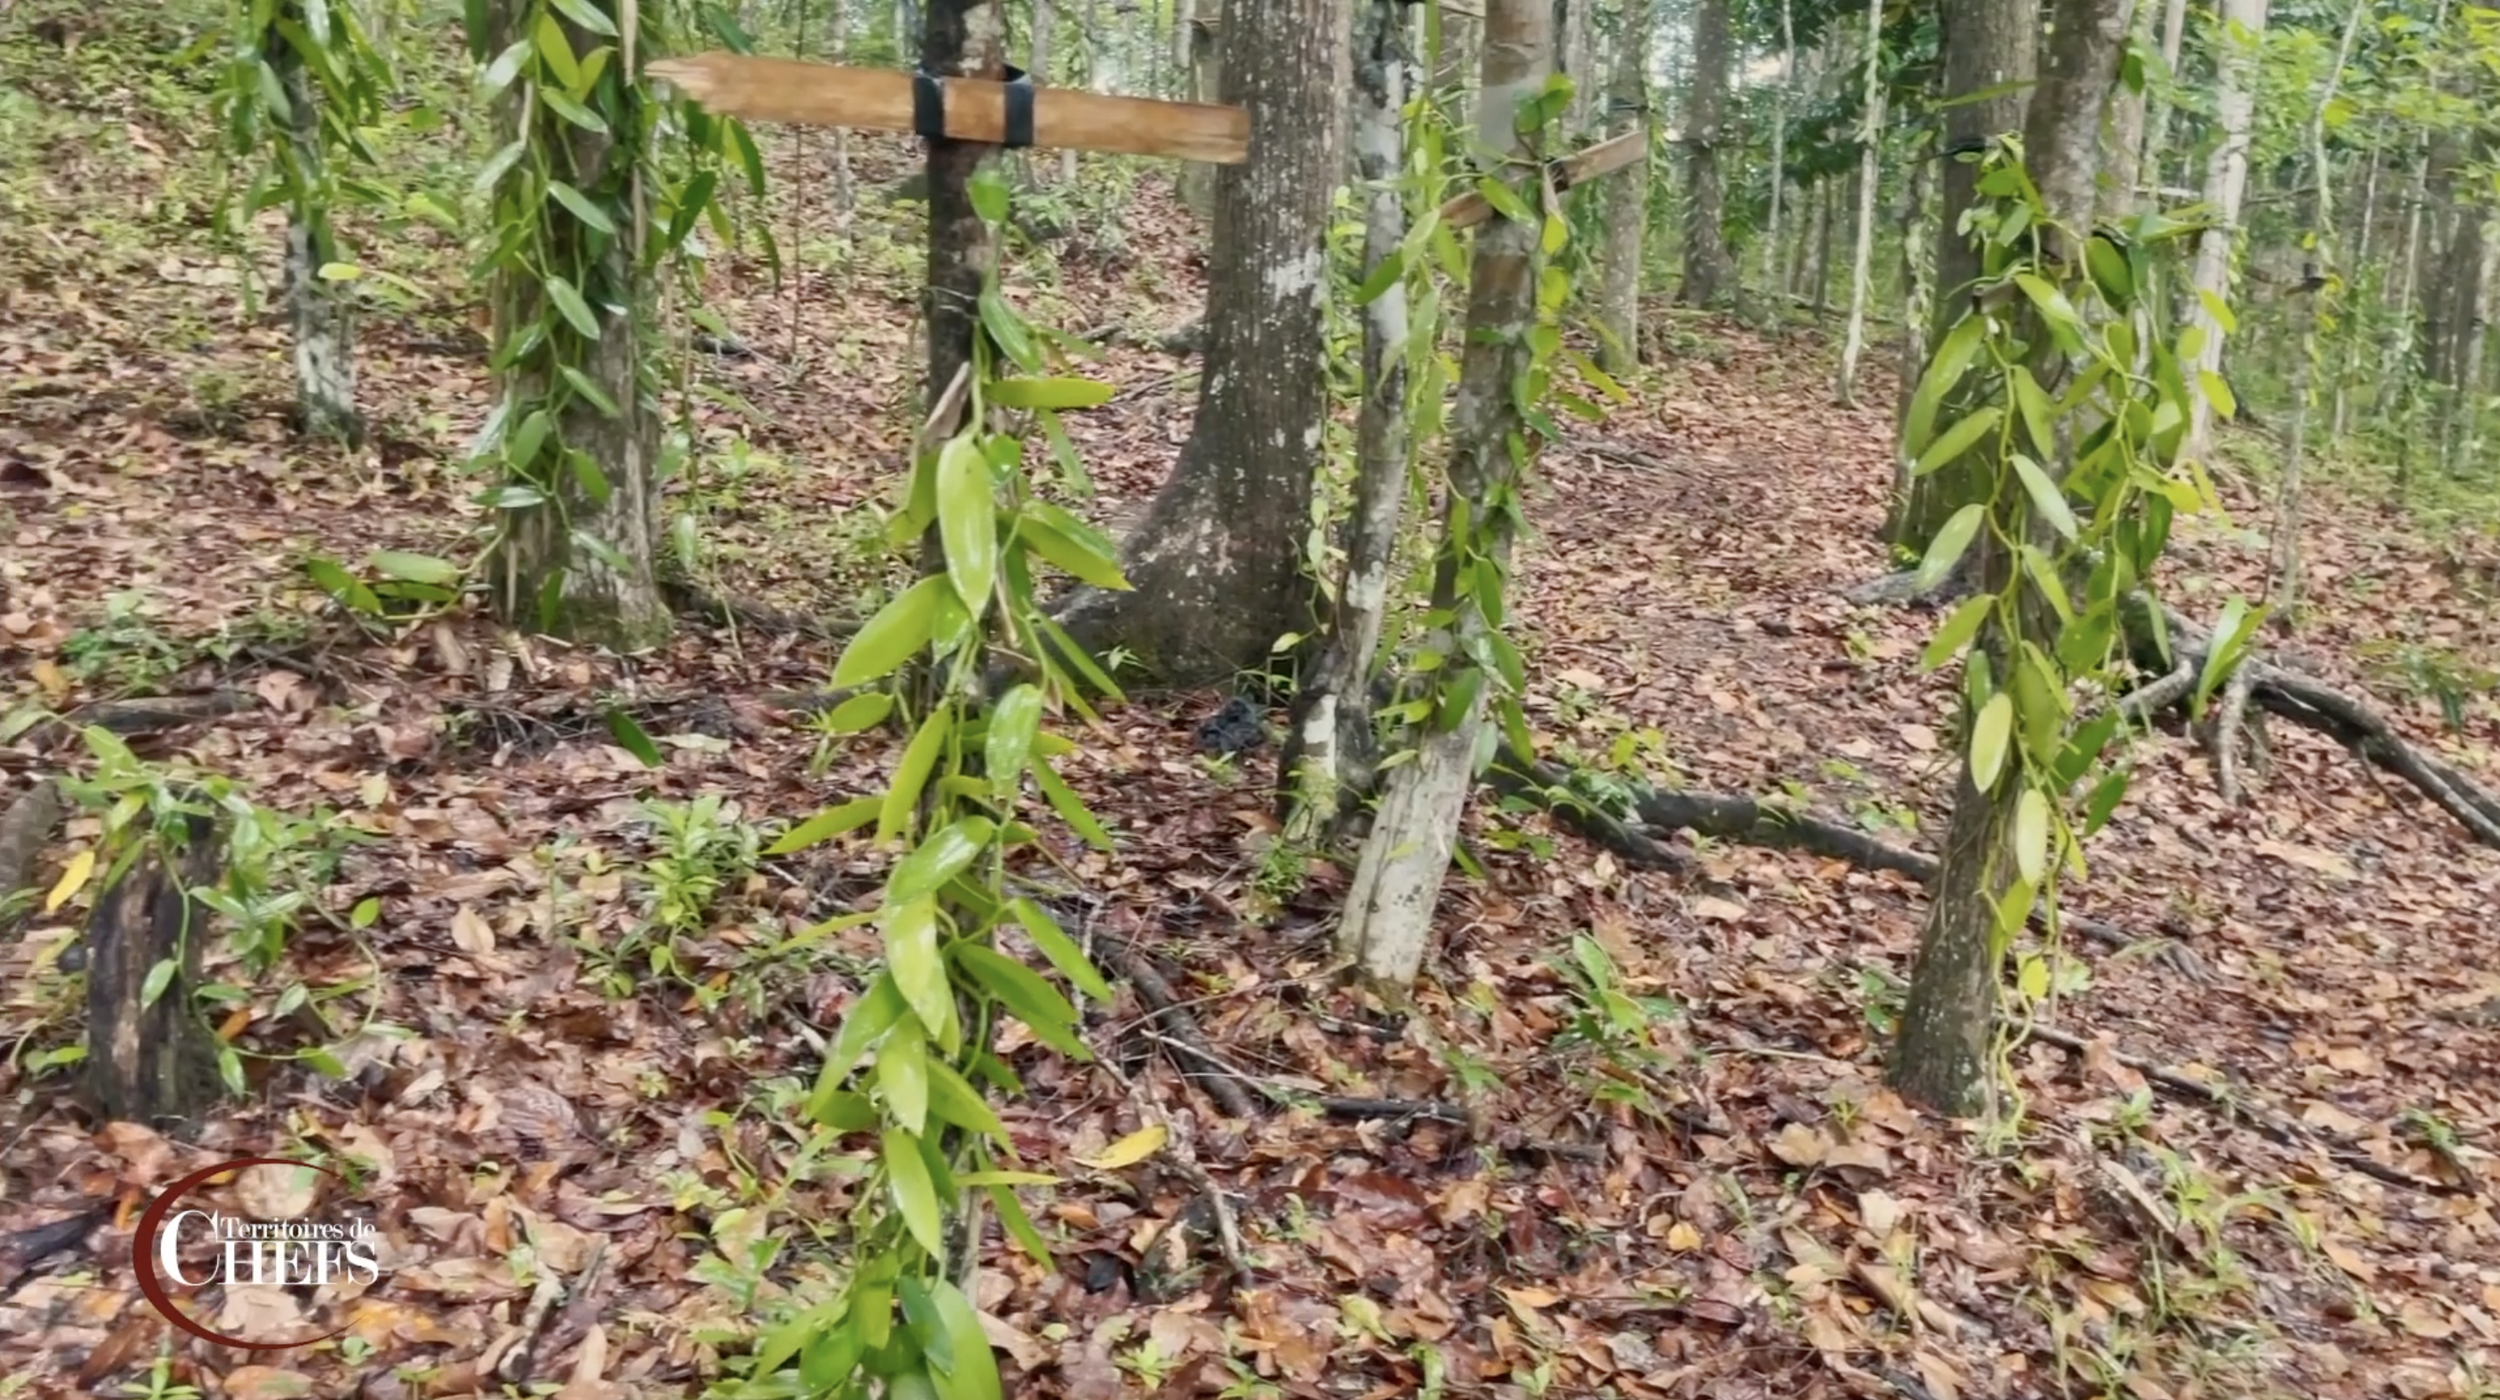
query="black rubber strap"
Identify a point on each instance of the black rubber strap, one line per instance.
(1019, 109)
(928, 104)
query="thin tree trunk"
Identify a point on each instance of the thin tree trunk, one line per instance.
(2391, 377)
(1328, 752)
(1826, 224)
(968, 39)
(1771, 287)
(2122, 162)
(1941, 1059)
(838, 48)
(2460, 435)
(1862, 257)
(1708, 275)
(1917, 298)
(1217, 561)
(1387, 928)
(1093, 47)
(1987, 49)
(2353, 338)
(320, 310)
(1038, 55)
(1627, 202)
(1206, 84)
(2226, 180)
(2157, 125)
(2285, 591)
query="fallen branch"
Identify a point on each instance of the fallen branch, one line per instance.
(133, 719)
(1549, 788)
(2313, 704)
(721, 610)
(2271, 686)
(1732, 817)
(1222, 1082)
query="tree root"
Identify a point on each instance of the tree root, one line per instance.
(1231, 1088)
(2311, 703)
(1733, 817)
(721, 610)
(2270, 686)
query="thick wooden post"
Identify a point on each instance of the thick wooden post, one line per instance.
(153, 1063)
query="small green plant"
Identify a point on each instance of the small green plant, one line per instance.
(1147, 1363)
(160, 1384)
(125, 652)
(2438, 674)
(272, 868)
(1619, 1027)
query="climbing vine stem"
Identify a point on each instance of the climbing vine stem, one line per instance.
(915, 1059)
(2041, 381)
(589, 200)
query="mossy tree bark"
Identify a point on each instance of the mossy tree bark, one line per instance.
(581, 562)
(1387, 928)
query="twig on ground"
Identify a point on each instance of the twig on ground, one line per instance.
(1221, 1082)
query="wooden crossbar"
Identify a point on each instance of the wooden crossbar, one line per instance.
(823, 94)
(1580, 167)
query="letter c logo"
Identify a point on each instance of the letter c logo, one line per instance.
(155, 1240)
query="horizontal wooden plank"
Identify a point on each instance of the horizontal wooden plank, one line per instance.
(823, 94)
(1578, 168)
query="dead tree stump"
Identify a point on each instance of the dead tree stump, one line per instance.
(151, 1063)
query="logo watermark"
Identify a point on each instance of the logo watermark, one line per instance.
(179, 1244)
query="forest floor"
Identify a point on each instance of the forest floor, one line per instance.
(1672, 1169)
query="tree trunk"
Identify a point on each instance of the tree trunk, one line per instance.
(1092, 47)
(322, 311)
(1941, 1060)
(2286, 561)
(1039, 52)
(2226, 179)
(1387, 928)
(1454, 63)
(1709, 274)
(2122, 159)
(1987, 48)
(1862, 257)
(958, 39)
(1826, 226)
(580, 563)
(1627, 202)
(1206, 84)
(2157, 123)
(152, 1062)
(838, 48)
(1917, 298)
(1779, 153)
(2469, 283)
(2393, 377)
(1328, 753)
(1217, 561)
(1574, 38)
